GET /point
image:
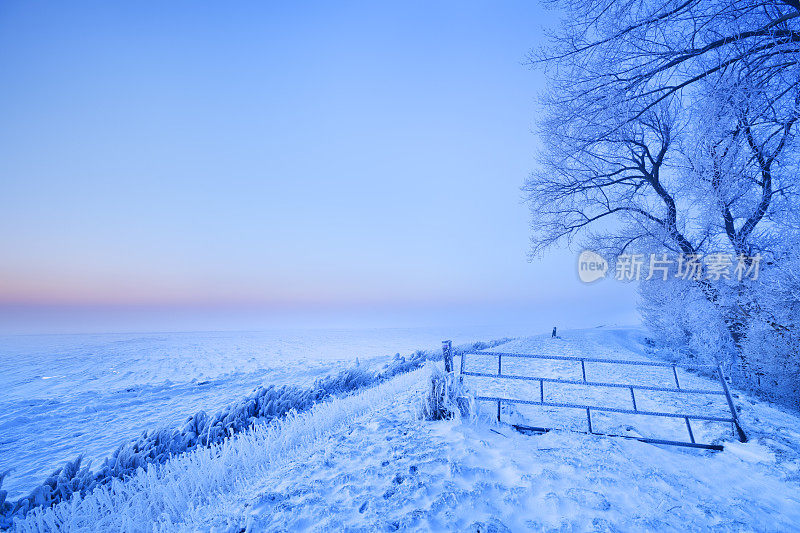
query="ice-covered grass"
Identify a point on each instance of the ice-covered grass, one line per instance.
(445, 396)
(160, 496)
(157, 446)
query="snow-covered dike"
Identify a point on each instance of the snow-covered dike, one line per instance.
(366, 462)
(173, 493)
(62, 396)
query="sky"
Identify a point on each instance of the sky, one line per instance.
(204, 165)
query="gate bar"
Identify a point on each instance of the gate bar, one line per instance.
(595, 383)
(591, 359)
(717, 447)
(607, 409)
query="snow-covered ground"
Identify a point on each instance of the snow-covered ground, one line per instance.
(65, 395)
(365, 462)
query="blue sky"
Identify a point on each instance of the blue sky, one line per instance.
(258, 157)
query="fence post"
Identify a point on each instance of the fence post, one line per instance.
(689, 427)
(736, 426)
(675, 373)
(447, 352)
(461, 367)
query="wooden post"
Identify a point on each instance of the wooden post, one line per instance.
(447, 352)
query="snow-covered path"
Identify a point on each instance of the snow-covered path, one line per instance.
(388, 471)
(365, 463)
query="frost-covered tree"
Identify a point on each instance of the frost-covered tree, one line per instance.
(629, 84)
(634, 55)
(671, 127)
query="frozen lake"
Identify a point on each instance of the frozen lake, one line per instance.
(65, 395)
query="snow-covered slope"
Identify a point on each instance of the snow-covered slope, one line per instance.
(366, 463)
(62, 396)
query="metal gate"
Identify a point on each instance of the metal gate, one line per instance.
(632, 387)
